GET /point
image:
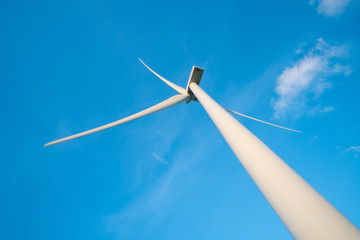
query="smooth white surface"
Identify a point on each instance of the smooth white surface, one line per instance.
(173, 85)
(195, 76)
(160, 106)
(243, 115)
(305, 213)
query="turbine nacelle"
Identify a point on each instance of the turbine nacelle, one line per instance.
(195, 77)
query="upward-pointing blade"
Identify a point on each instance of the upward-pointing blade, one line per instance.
(173, 85)
(262, 121)
(158, 107)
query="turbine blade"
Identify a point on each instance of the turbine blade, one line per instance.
(158, 107)
(173, 85)
(262, 121)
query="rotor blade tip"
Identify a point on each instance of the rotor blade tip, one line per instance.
(50, 143)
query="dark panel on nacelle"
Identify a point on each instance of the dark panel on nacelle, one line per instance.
(195, 76)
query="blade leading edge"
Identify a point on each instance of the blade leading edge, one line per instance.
(262, 121)
(173, 85)
(158, 107)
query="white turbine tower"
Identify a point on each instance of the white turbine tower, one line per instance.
(305, 213)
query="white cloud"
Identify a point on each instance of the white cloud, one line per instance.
(355, 149)
(299, 86)
(331, 8)
(159, 158)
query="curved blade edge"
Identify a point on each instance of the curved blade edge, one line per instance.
(158, 107)
(243, 115)
(172, 85)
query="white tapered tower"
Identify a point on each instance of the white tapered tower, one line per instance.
(305, 213)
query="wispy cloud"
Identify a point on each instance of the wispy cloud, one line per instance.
(331, 8)
(154, 203)
(313, 139)
(145, 206)
(300, 85)
(355, 149)
(159, 158)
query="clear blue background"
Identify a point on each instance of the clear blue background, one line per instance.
(69, 66)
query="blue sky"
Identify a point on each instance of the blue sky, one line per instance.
(69, 66)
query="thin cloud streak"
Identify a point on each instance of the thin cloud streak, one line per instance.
(153, 205)
(301, 85)
(355, 149)
(145, 206)
(159, 158)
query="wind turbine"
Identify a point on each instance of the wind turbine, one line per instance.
(305, 213)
